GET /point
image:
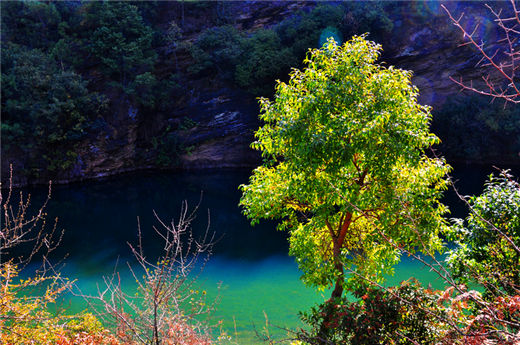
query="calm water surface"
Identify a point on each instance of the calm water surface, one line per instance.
(257, 277)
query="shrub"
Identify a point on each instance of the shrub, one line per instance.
(488, 240)
(166, 307)
(26, 319)
(217, 50)
(25, 316)
(380, 316)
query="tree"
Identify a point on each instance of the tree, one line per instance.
(217, 49)
(31, 23)
(119, 39)
(263, 58)
(173, 37)
(168, 307)
(344, 166)
(45, 109)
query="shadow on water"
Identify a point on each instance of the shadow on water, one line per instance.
(100, 217)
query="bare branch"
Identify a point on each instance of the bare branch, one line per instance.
(167, 304)
(504, 70)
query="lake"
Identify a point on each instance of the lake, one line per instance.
(257, 277)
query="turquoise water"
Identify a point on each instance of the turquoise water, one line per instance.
(256, 276)
(248, 292)
(251, 293)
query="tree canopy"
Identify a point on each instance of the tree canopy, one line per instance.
(120, 40)
(46, 110)
(344, 166)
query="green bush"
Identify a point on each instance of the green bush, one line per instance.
(217, 50)
(167, 148)
(487, 241)
(264, 59)
(117, 38)
(143, 90)
(255, 61)
(165, 92)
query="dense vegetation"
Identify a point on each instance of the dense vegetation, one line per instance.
(111, 68)
(255, 60)
(65, 66)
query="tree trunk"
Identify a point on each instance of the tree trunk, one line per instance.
(336, 293)
(338, 287)
(338, 240)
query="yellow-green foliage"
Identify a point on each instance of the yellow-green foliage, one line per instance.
(345, 167)
(26, 319)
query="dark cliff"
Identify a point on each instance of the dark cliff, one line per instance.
(218, 59)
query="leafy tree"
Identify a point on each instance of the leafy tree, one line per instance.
(143, 89)
(173, 38)
(118, 38)
(31, 23)
(364, 17)
(217, 50)
(488, 240)
(303, 31)
(344, 166)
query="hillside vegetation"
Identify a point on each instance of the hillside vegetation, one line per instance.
(97, 88)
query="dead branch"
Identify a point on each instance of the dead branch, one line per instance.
(502, 61)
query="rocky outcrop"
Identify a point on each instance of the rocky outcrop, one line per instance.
(224, 122)
(428, 44)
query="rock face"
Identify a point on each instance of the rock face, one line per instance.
(223, 130)
(423, 41)
(213, 122)
(427, 43)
